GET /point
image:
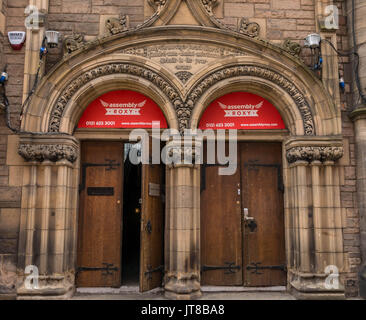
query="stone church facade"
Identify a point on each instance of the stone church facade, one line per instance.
(254, 46)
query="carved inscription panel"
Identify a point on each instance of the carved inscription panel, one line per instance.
(184, 59)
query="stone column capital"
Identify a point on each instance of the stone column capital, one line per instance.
(314, 153)
(358, 113)
(183, 153)
(52, 148)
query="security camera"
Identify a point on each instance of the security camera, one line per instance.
(52, 38)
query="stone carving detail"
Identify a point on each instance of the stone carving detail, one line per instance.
(257, 71)
(118, 25)
(250, 29)
(182, 110)
(210, 4)
(180, 154)
(317, 153)
(293, 48)
(184, 76)
(52, 152)
(157, 4)
(74, 42)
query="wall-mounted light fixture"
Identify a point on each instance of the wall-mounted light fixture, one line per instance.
(313, 41)
(52, 38)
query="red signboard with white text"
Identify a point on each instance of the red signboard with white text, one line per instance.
(122, 109)
(241, 110)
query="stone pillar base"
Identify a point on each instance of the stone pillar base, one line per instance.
(182, 288)
(311, 286)
(56, 287)
(316, 295)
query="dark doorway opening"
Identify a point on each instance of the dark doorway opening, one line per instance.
(131, 221)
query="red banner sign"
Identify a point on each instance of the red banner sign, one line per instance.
(122, 109)
(241, 110)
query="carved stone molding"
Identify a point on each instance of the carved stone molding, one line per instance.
(250, 29)
(183, 112)
(157, 4)
(291, 47)
(314, 153)
(210, 4)
(118, 25)
(183, 108)
(256, 71)
(184, 76)
(42, 152)
(52, 147)
(74, 42)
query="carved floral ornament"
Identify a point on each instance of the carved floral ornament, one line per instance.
(52, 152)
(314, 153)
(183, 107)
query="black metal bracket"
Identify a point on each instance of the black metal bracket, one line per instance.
(109, 267)
(255, 267)
(148, 227)
(203, 173)
(151, 270)
(230, 267)
(110, 165)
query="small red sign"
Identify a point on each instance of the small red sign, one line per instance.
(241, 111)
(122, 109)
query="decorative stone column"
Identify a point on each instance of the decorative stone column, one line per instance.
(313, 219)
(359, 113)
(35, 35)
(182, 230)
(48, 216)
(359, 118)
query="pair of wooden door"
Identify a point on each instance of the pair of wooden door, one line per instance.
(100, 227)
(242, 221)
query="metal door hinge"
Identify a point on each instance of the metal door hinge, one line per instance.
(255, 267)
(151, 270)
(109, 269)
(109, 166)
(229, 266)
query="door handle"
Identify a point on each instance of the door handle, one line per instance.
(246, 215)
(249, 221)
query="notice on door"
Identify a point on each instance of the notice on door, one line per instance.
(241, 111)
(122, 109)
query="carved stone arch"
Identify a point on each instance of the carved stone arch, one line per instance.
(60, 99)
(262, 87)
(307, 109)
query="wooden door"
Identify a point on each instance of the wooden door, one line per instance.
(100, 215)
(221, 232)
(152, 227)
(264, 243)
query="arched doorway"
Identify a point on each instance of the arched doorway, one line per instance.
(121, 198)
(242, 214)
(311, 146)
